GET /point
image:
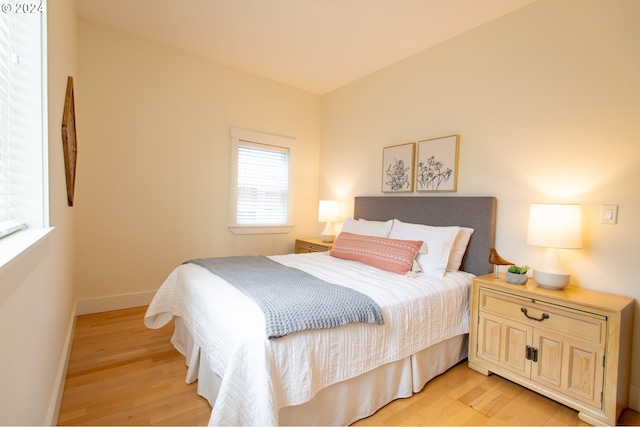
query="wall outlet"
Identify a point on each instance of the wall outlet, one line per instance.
(609, 214)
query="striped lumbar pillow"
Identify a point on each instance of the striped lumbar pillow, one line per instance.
(387, 254)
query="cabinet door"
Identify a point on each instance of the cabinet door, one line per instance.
(516, 339)
(548, 368)
(585, 371)
(504, 342)
(569, 365)
(489, 337)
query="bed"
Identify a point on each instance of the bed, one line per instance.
(330, 376)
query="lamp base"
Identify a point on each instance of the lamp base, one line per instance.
(551, 280)
(328, 235)
(551, 273)
(327, 238)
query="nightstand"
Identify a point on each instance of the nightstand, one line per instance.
(571, 345)
(305, 246)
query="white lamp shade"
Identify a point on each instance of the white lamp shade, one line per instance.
(555, 226)
(329, 211)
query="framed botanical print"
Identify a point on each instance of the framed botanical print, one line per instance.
(398, 168)
(437, 169)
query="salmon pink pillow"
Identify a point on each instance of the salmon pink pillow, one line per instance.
(392, 255)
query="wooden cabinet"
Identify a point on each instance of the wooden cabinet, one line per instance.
(304, 246)
(571, 345)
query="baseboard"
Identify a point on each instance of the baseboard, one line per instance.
(113, 302)
(61, 376)
(634, 397)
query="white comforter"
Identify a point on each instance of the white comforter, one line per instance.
(260, 376)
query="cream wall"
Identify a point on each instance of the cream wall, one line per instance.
(545, 101)
(154, 161)
(36, 289)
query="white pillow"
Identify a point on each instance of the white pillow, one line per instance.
(367, 228)
(459, 248)
(439, 241)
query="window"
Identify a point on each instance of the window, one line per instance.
(23, 118)
(260, 186)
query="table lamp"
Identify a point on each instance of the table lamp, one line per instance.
(554, 227)
(328, 211)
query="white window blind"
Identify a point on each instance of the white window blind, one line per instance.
(7, 47)
(261, 195)
(263, 184)
(23, 117)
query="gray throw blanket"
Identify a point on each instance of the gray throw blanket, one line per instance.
(291, 299)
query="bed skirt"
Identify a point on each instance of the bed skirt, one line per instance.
(336, 405)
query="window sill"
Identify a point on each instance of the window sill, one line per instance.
(260, 229)
(12, 246)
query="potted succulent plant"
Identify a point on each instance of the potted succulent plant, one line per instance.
(517, 275)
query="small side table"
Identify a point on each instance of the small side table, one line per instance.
(305, 246)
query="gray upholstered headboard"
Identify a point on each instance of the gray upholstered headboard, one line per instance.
(478, 213)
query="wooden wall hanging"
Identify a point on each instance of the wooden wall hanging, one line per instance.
(69, 143)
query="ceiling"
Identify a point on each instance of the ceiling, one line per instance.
(314, 45)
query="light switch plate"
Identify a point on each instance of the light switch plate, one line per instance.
(609, 214)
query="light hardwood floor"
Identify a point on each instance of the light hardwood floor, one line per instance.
(121, 373)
